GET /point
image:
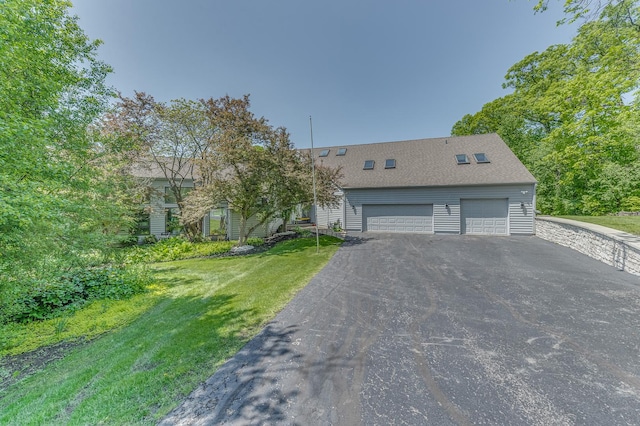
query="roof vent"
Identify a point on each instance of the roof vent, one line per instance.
(390, 163)
(341, 152)
(462, 159)
(481, 158)
(324, 153)
(368, 165)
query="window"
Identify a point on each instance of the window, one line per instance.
(390, 164)
(481, 158)
(142, 223)
(324, 153)
(368, 165)
(462, 159)
(172, 221)
(169, 196)
(341, 151)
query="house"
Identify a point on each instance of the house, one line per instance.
(160, 215)
(453, 185)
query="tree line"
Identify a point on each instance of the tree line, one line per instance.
(573, 114)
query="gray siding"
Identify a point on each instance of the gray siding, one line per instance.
(233, 227)
(156, 222)
(326, 217)
(157, 217)
(446, 204)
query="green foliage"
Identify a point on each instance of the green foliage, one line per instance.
(169, 138)
(303, 232)
(174, 249)
(580, 9)
(60, 194)
(254, 169)
(574, 115)
(630, 224)
(201, 314)
(616, 188)
(48, 299)
(255, 241)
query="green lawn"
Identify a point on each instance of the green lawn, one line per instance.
(201, 312)
(630, 224)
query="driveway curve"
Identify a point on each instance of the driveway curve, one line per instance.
(415, 330)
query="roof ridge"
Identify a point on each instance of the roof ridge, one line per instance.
(405, 141)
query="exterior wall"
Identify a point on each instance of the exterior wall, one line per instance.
(446, 204)
(206, 228)
(605, 248)
(157, 215)
(326, 217)
(233, 226)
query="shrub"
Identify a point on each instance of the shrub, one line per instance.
(175, 249)
(43, 299)
(255, 241)
(150, 239)
(303, 232)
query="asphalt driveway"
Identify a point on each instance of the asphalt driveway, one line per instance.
(408, 329)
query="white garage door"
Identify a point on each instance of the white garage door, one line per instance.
(485, 217)
(409, 218)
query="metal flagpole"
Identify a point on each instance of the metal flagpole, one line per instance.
(313, 178)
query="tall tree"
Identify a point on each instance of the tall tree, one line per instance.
(584, 9)
(168, 137)
(51, 178)
(254, 169)
(581, 102)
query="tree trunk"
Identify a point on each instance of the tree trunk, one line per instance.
(193, 231)
(242, 238)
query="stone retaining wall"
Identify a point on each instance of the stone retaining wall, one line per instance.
(599, 246)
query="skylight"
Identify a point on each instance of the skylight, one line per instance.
(481, 158)
(462, 159)
(390, 164)
(368, 165)
(324, 153)
(341, 151)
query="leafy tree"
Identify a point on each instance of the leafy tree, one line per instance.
(574, 111)
(585, 9)
(55, 206)
(254, 169)
(170, 138)
(505, 117)
(616, 188)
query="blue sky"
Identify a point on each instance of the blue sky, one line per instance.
(366, 71)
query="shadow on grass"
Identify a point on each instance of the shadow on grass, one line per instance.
(150, 364)
(159, 358)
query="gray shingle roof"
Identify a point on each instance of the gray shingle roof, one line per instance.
(151, 169)
(428, 162)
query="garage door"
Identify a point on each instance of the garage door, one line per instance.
(409, 218)
(484, 217)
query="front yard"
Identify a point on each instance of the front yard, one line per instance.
(161, 344)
